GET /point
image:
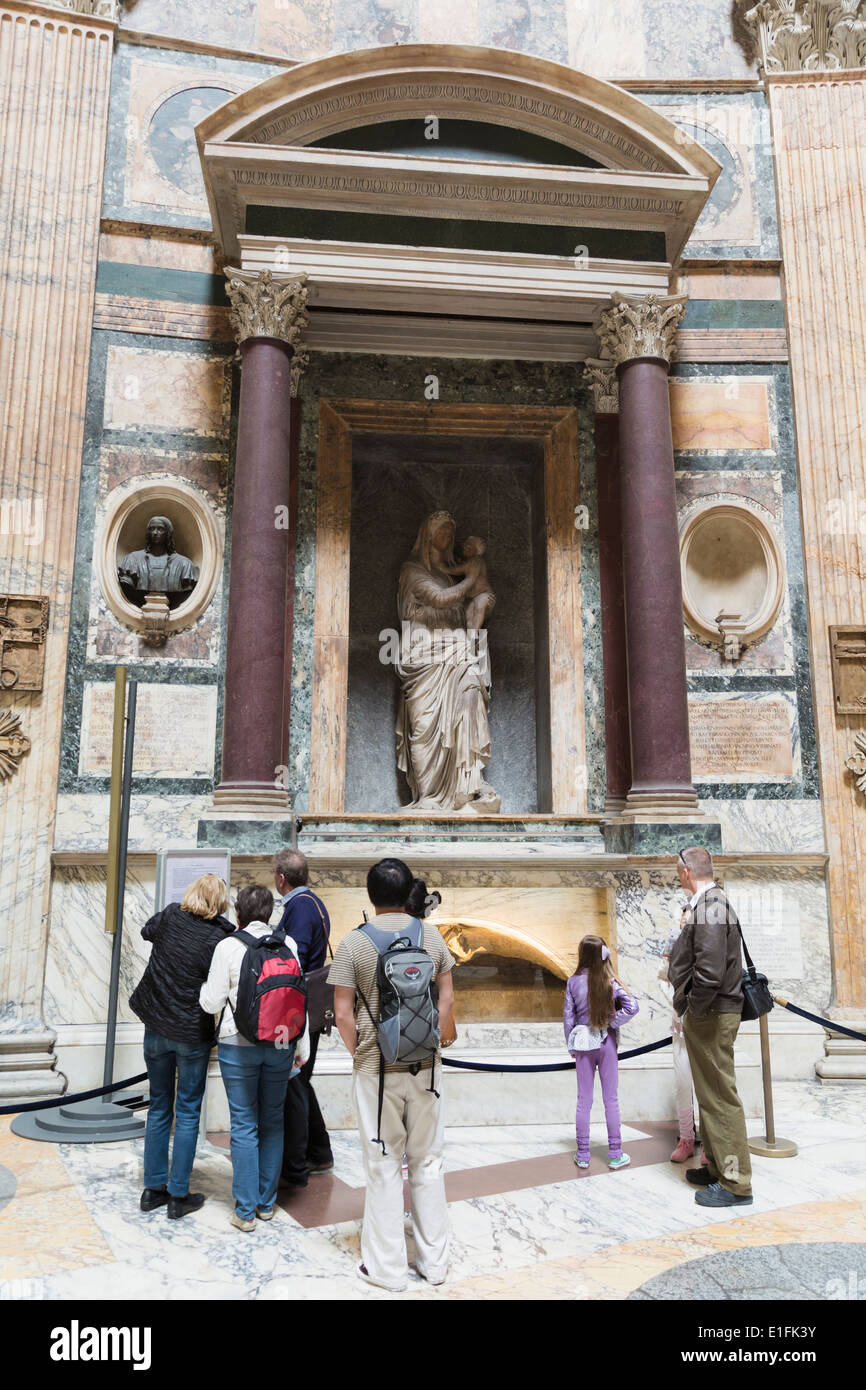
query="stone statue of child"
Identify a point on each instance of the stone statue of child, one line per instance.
(158, 569)
(480, 598)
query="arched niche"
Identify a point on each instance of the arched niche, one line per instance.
(732, 562)
(197, 534)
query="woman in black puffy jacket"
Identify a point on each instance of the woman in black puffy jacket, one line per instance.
(178, 1037)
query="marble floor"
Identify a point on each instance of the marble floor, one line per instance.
(525, 1222)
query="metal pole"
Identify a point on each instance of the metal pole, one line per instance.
(769, 1146)
(122, 839)
(769, 1120)
(114, 802)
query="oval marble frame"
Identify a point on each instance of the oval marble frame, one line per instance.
(158, 491)
(767, 612)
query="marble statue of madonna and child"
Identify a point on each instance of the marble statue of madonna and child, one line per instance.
(443, 734)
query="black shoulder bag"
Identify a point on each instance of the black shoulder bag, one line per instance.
(757, 998)
(320, 995)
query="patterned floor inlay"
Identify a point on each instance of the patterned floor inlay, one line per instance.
(328, 1200)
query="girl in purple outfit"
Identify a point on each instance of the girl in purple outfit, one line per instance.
(596, 1006)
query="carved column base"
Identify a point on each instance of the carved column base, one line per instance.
(660, 806)
(251, 799)
(27, 1067)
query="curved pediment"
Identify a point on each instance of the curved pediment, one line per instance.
(316, 101)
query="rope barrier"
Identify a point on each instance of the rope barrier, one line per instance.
(546, 1066)
(446, 1061)
(70, 1100)
(816, 1018)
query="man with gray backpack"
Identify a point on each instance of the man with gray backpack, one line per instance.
(393, 996)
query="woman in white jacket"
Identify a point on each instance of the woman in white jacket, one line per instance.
(255, 1076)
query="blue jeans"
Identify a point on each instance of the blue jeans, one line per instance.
(255, 1080)
(188, 1062)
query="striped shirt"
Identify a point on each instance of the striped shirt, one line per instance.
(354, 966)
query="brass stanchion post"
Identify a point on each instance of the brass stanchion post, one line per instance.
(769, 1146)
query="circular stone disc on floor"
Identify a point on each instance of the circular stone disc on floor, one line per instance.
(8, 1184)
(811, 1271)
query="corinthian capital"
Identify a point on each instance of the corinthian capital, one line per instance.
(809, 35)
(641, 327)
(100, 9)
(600, 377)
(263, 307)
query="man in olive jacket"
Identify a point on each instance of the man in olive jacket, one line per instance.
(706, 972)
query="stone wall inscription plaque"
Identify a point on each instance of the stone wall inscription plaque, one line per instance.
(741, 740)
(175, 730)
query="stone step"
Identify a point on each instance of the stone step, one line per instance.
(842, 1068)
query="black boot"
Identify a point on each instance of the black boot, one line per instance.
(182, 1206)
(153, 1197)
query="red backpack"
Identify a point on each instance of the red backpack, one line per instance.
(272, 992)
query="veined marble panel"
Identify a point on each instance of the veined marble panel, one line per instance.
(156, 821)
(764, 826)
(650, 902)
(175, 392)
(722, 414)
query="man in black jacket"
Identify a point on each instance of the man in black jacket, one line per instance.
(306, 1146)
(706, 971)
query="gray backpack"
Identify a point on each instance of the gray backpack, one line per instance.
(407, 1029)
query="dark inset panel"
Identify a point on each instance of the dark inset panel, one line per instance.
(457, 139)
(456, 233)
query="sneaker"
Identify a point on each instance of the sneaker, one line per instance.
(581, 1162)
(182, 1206)
(363, 1273)
(621, 1162)
(434, 1278)
(717, 1196)
(698, 1177)
(265, 1213)
(153, 1197)
(684, 1149)
(321, 1167)
(242, 1223)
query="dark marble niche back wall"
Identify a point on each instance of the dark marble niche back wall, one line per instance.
(486, 484)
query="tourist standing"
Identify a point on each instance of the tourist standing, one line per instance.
(683, 1088)
(255, 1075)
(706, 971)
(306, 1146)
(596, 1006)
(399, 1108)
(178, 1037)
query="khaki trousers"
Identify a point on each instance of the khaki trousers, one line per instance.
(710, 1043)
(412, 1124)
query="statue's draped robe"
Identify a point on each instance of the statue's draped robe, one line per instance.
(443, 736)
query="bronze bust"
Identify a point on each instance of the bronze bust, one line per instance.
(158, 569)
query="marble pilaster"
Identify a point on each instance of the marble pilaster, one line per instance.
(818, 117)
(55, 73)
